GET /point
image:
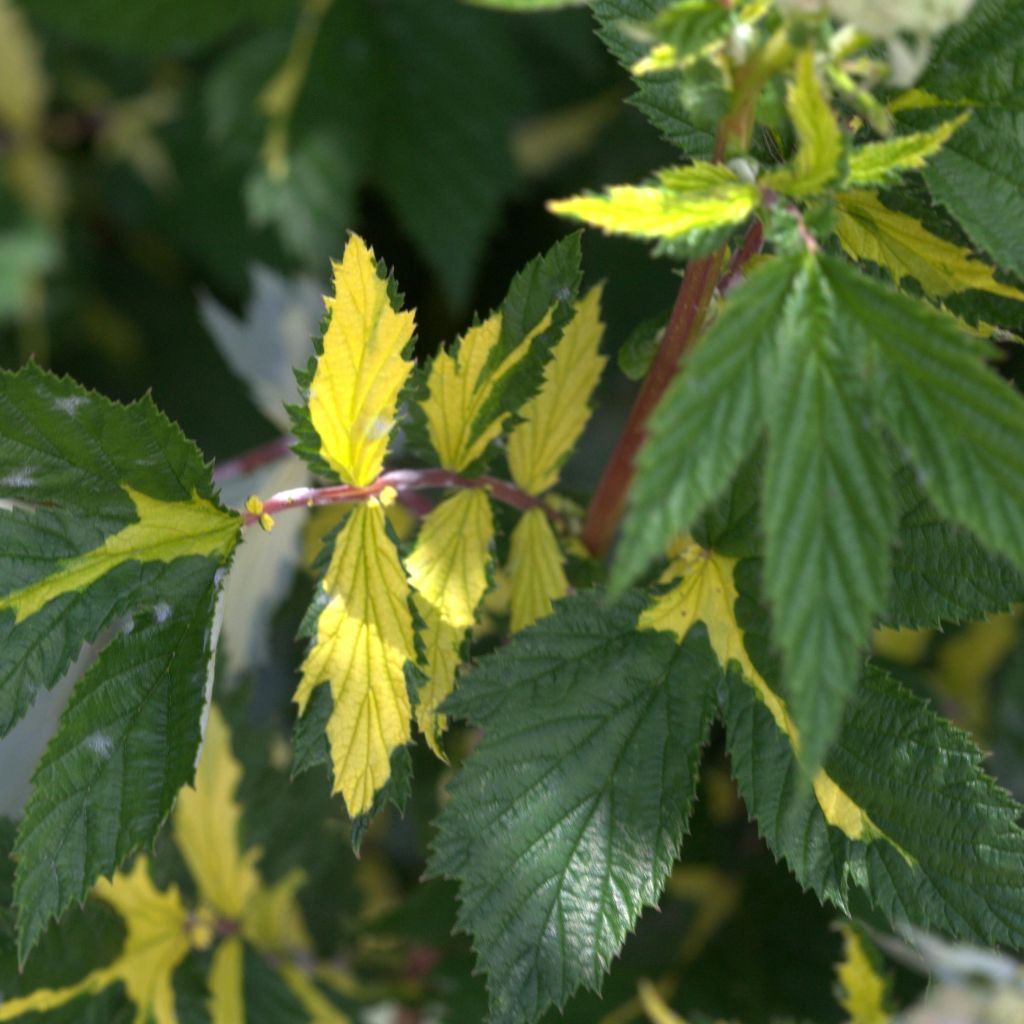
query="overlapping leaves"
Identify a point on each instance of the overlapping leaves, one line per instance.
(111, 535)
(848, 359)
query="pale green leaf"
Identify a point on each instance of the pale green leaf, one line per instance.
(881, 163)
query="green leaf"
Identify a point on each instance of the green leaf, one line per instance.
(946, 852)
(707, 422)
(565, 821)
(827, 513)
(959, 421)
(114, 530)
(26, 253)
(979, 174)
(940, 572)
(684, 204)
(659, 97)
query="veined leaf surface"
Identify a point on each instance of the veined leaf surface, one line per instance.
(114, 530)
(360, 372)
(364, 637)
(448, 571)
(565, 821)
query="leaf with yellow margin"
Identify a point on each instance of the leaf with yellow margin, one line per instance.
(703, 590)
(554, 418)
(165, 531)
(535, 567)
(819, 155)
(881, 163)
(448, 572)
(364, 637)
(354, 391)
(155, 944)
(904, 247)
(863, 989)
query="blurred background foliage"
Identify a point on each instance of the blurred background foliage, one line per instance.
(174, 177)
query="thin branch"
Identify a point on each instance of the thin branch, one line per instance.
(255, 458)
(401, 481)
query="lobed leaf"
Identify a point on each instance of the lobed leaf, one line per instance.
(827, 513)
(943, 850)
(565, 821)
(353, 394)
(959, 421)
(364, 638)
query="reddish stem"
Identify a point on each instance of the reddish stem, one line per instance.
(402, 480)
(609, 499)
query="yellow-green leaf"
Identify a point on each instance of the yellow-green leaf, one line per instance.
(227, 996)
(206, 824)
(878, 163)
(654, 1006)
(459, 386)
(696, 198)
(554, 418)
(904, 247)
(703, 589)
(165, 531)
(155, 943)
(535, 569)
(354, 391)
(819, 141)
(364, 637)
(863, 989)
(448, 571)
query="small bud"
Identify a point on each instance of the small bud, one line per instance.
(267, 522)
(253, 505)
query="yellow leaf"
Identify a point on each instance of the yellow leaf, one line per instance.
(535, 568)
(206, 823)
(364, 637)
(819, 140)
(903, 646)
(554, 418)
(868, 230)
(459, 386)
(704, 590)
(695, 198)
(354, 391)
(24, 90)
(448, 571)
(881, 162)
(155, 943)
(227, 995)
(165, 531)
(863, 989)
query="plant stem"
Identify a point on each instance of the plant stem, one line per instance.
(695, 292)
(255, 458)
(401, 480)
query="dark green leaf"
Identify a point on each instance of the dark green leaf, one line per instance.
(565, 821)
(947, 853)
(827, 513)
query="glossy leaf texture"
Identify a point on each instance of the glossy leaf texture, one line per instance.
(114, 537)
(565, 821)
